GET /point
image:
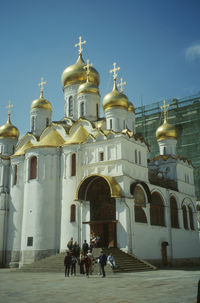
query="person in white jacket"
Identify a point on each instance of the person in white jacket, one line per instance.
(111, 261)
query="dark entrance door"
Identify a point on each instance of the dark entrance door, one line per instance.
(102, 212)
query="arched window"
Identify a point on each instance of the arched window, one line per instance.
(185, 220)
(157, 210)
(47, 122)
(15, 175)
(174, 213)
(70, 105)
(140, 215)
(191, 218)
(33, 168)
(82, 109)
(73, 213)
(73, 165)
(139, 154)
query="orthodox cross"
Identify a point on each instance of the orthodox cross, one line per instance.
(164, 107)
(87, 67)
(114, 71)
(121, 84)
(80, 44)
(41, 85)
(10, 105)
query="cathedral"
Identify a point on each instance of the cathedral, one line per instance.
(89, 175)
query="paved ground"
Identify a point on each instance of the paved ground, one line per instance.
(161, 286)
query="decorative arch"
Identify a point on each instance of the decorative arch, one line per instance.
(82, 190)
(144, 186)
(157, 210)
(174, 212)
(33, 168)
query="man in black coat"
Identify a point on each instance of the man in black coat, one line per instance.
(67, 263)
(103, 261)
(85, 248)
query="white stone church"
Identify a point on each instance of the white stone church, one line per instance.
(86, 174)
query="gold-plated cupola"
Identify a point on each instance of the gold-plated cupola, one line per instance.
(41, 102)
(8, 130)
(166, 130)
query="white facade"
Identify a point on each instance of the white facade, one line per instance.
(79, 174)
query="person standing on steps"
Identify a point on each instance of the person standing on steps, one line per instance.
(85, 247)
(102, 261)
(111, 261)
(67, 263)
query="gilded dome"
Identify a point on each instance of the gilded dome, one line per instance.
(41, 103)
(165, 131)
(131, 108)
(115, 99)
(76, 73)
(88, 87)
(8, 130)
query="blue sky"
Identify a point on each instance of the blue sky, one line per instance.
(156, 43)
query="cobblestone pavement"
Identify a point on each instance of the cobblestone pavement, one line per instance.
(161, 286)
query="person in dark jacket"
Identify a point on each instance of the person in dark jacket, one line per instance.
(85, 247)
(102, 262)
(67, 263)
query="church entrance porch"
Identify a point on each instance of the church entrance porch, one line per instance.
(99, 191)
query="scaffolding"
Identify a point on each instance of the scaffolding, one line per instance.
(184, 113)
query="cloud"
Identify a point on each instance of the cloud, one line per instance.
(192, 53)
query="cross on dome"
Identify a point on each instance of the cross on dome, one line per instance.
(164, 107)
(8, 107)
(87, 67)
(114, 70)
(41, 85)
(79, 44)
(121, 84)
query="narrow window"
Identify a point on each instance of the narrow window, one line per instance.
(185, 221)
(30, 241)
(32, 124)
(157, 210)
(110, 123)
(70, 104)
(73, 213)
(140, 215)
(164, 150)
(33, 168)
(191, 218)
(82, 109)
(135, 156)
(15, 175)
(174, 213)
(139, 154)
(73, 165)
(101, 156)
(97, 109)
(47, 122)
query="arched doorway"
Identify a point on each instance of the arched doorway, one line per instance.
(101, 191)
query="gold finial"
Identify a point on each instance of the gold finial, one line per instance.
(87, 67)
(164, 107)
(114, 71)
(79, 45)
(10, 105)
(41, 85)
(121, 84)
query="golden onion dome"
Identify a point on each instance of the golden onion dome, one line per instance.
(115, 99)
(166, 131)
(41, 103)
(9, 130)
(131, 108)
(76, 74)
(88, 88)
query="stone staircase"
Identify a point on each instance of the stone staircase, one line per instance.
(124, 263)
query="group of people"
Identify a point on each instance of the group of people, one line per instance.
(85, 259)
